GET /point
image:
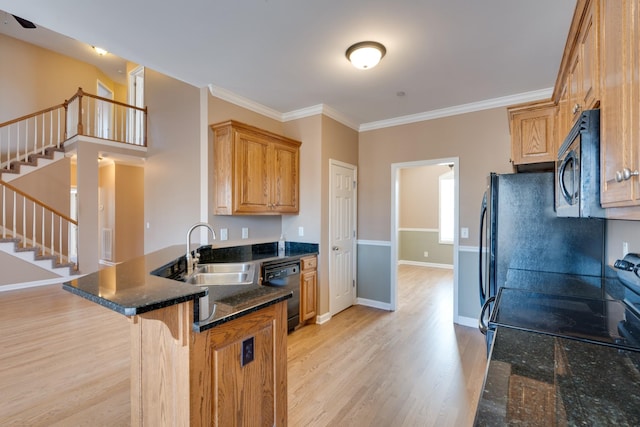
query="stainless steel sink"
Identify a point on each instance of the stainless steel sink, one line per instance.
(223, 274)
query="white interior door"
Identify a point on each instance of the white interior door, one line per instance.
(342, 237)
(104, 112)
(136, 98)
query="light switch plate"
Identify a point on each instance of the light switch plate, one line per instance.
(224, 234)
(245, 232)
(300, 231)
(464, 232)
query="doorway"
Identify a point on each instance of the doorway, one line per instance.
(440, 230)
(342, 235)
(104, 112)
(136, 98)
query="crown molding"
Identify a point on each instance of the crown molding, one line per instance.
(227, 95)
(503, 101)
(314, 110)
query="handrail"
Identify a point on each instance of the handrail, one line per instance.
(37, 113)
(112, 101)
(38, 202)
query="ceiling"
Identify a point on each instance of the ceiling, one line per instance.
(289, 55)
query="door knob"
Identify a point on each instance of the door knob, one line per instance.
(335, 248)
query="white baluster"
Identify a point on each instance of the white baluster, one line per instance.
(24, 222)
(42, 241)
(33, 225)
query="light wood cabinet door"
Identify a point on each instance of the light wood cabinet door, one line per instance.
(284, 193)
(255, 172)
(533, 134)
(308, 288)
(618, 116)
(229, 391)
(252, 178)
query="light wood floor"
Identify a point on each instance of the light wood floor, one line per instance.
(369, 367)
(65, 362)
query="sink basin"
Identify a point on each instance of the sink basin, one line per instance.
(243, 267)
(223, 274)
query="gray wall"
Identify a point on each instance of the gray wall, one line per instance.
(412, 244)
(374, 272)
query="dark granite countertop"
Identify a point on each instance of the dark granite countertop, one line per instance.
(151, 282)
(536, 379)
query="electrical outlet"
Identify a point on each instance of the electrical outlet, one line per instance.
(625, 248)
(300, 231)
(426, 254)
(245, 232)
(464, 232)
(224, 234)
(247, 352)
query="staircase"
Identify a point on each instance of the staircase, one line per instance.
(29, 228)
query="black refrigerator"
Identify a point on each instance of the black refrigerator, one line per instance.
(519, 230)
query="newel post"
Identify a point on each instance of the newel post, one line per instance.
(80, 126)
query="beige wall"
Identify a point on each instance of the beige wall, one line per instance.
(129, 212)
(172, 169)
(39, 78)
(14, 271)
(419, 197)
(49, 184)
(479, 139)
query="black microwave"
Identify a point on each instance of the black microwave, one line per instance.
(577, 172)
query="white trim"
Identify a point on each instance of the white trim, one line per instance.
(374, 304)
(35, 283)
(204, 164)
(466, 321)
(395, 174)
(470, 249)
(243, 102)
(426, 264)
(423, 230)
(323, 109)
(460, 109)
(321, 319)
(373, 242)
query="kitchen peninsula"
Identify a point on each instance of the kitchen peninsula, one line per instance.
(192, 368)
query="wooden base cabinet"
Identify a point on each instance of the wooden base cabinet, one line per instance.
(234, 374)
(227, 391)
(256, 171)
(308, 288)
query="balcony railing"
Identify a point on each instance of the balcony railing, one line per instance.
(83, 114)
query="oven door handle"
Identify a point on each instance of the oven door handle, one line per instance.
(481, 324)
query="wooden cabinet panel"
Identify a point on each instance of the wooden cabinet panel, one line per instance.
(533, 135)
(618, 149)
(256, 172)
(226, 393)
(308, 288)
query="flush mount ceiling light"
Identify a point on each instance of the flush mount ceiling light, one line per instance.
(100, 51)
(365, 55)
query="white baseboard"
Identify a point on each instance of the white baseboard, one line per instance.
(426, 264)
(467, 321)
(323, 318)
(374, 304)
(25, 285)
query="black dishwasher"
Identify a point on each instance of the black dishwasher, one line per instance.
(285, 274)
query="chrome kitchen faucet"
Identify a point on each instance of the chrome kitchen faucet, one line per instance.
(192, 261)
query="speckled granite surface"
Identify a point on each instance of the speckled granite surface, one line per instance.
(540, 380)
(130, 288)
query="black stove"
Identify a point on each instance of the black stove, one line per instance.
(602, 310)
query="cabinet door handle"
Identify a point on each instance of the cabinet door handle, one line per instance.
(576, 108)
(625, 174)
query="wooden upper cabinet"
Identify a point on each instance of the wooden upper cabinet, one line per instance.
(619, 116)
(256, 171)
(533, 135)
(578, 85)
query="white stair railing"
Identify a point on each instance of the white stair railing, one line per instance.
(36, 225)
(31, 134)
